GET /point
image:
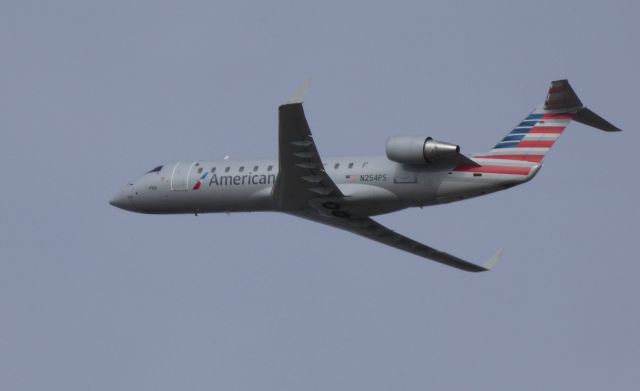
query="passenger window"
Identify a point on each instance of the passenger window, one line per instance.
(350, 165)
(255, 168)
(365, 164)
(269, 168)
(200, 170)
(241, 168)
(336, 166)
(213, 169)
(226, 169)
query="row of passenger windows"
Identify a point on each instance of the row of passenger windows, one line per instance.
(240, 169)
(270, 168)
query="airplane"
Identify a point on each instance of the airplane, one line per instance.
(344, 192)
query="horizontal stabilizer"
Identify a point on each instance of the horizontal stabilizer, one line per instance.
(592, 119)
(562, 97)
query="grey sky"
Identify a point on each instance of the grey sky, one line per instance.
(93, 94)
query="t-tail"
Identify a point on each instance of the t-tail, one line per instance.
(532, 138)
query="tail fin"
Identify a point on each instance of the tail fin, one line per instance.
(532, 138)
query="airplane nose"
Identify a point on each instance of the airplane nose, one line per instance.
(120, 201)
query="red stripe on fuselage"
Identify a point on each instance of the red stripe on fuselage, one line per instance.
(535, 143)
(494, 169)
(528, 158)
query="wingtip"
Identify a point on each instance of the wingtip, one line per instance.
(493, 261)
(300, 92)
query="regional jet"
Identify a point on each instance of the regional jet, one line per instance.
(344, 192)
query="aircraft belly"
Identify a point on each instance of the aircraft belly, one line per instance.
(421, 192)
(456, 188)
(235, 199)
(207, 200)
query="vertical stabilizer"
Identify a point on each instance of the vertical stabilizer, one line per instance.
(534, 136)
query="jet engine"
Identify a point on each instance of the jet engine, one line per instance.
(419, 150)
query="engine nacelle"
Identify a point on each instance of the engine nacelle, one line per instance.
(419, 150)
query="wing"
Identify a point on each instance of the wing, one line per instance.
(375, 231)
(301, 176)
(302, 179)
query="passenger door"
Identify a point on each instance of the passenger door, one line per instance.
(180, 175)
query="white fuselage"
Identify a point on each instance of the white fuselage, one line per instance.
(372, 185)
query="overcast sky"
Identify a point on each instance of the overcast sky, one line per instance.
(95, 93)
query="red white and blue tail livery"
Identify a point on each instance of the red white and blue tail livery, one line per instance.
(534, 136)
(523, 149)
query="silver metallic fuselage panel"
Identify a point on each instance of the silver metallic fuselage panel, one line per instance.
(372, 185)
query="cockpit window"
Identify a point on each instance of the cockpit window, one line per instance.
(157, 169)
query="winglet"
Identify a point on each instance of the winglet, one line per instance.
(493, 261)
(300, 92)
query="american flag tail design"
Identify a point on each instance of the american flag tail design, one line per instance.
(532, 138)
